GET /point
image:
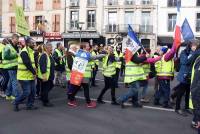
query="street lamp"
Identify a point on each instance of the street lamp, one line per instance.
(80, 26)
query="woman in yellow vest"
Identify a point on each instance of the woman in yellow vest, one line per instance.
(26, 75)
(165, 73)
(109, 71)
(86, 80)
(46, 74)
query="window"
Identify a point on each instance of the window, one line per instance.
(173, 3)
(91, 19)
(112, 2)
(128, 18)
(74, 19)
(146, 22)
(38, 23)
(129, 2)
(112, 21)
(145, 43)
(56, 23)
(198, 2)
(12, 25)
(91, 2)
(171, 22)
(26, 4)
(198, 23)
(56, 4)
(11, 5)
(39, 4)
(74, 2)
(146, 2)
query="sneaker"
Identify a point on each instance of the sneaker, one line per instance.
(137, 105)
(32, 108)
(2, 94)
(48, 105)
(12, 97)
(72, 103)
(122, 104)
(194, 124)
(16, 108)
(144, 100)
(189, 111)
(8, 98)
(92, 104)
(114, 103)
(167, 106)
(100, 101)
(180, 112)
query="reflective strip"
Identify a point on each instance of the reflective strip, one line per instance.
(163, 73)
(23, 63)
(131, 65)
(134, 75)
(9, 62)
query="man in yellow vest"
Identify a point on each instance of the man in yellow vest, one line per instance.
(10, 57)
(96, 65)
(46, 69)
(134, 73)
(119, 55)
(4, 72)
(195, 92)
(26, 75)
(109, 71)
(165, 73)
(59, 58)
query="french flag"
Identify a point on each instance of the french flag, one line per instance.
(183, 31)
(177, 32)
(132, 44)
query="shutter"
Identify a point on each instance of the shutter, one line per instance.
(58, 23)
(53, 23)
(34, 28)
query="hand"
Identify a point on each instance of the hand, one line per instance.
(44, 78)
(147, 55)
(198, 124)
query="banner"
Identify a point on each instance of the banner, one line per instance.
(22, 25)
(79, 66)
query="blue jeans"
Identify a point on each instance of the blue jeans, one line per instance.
(144, 84)
(132, 92)
(164, 91)
(12, 88)
(29, 89)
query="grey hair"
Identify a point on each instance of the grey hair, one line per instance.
(195, 42)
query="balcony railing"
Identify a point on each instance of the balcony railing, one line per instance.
(197, 29)
(74, 4)
(146, 2)
(112, 2)
(146, 29)
(123, 28)
(129, 2)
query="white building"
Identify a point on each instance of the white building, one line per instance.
(167, 18)
(140, 14)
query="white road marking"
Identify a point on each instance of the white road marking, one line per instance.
(126, 104)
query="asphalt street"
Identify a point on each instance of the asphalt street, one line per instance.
(105, 119)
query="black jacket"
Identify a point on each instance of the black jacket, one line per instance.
(27, 62)
(136, 59)
(43, 65)
(195, 89)
(59, 66)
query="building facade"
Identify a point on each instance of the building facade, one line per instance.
(102, 21)
(167, 18)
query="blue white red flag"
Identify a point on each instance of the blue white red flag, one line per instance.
(132, 44)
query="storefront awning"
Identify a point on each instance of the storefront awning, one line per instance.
(84, 35)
